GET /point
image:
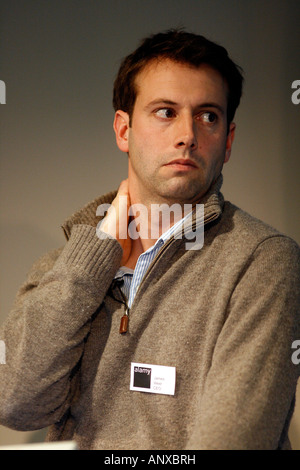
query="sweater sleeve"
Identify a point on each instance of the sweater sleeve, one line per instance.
(45, 333)
(248, 396)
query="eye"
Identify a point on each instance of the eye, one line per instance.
(209, 117)
(165, 113)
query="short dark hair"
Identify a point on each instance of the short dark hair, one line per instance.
(183, 47)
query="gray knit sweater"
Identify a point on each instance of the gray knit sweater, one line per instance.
(225, 316)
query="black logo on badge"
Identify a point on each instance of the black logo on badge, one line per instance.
(142, 377)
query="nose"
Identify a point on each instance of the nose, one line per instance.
(185, 136)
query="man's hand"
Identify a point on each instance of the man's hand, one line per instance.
(115, 222)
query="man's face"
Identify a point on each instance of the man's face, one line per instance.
(178, 140)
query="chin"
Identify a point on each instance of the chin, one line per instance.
(185, 193)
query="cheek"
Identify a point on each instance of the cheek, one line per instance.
(148, 132)
(146, 143)
(212, 153)
(138, 141)
(215, 144)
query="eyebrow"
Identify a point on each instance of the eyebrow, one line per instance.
(163, 101)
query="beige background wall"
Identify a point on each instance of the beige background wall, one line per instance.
(57, 150)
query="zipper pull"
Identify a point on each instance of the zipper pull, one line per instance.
(124, 322)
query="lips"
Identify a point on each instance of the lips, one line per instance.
(182, 162)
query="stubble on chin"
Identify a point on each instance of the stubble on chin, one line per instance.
(180, 192)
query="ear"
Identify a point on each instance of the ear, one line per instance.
(121, 128)
(229, 141)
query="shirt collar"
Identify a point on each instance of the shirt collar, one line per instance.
(123, 270)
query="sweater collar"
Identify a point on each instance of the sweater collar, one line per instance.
(213, 205)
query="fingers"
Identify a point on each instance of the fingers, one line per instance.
(123, 188)
(115, 223)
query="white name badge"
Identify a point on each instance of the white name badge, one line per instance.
(151, 378)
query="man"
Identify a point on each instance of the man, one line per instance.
(128, 338)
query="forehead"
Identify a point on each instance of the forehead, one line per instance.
(164, 78)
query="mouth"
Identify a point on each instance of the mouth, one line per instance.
(182, 164)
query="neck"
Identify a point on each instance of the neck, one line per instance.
(150, 219)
